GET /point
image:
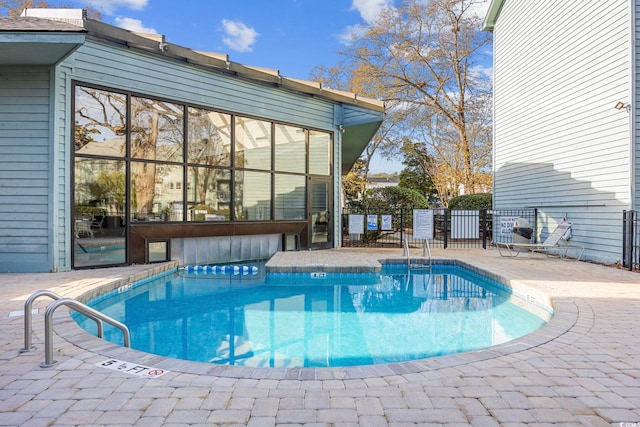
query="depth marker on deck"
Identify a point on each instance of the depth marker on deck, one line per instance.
(132, 368)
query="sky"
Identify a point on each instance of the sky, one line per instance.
(292, 36)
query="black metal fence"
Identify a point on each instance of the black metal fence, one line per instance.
(451, 228)
(631, 240)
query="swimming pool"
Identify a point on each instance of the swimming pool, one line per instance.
(317, 319)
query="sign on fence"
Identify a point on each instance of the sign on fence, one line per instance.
(423, 224)
(506, 225)
(356, 224)
(372, 222)
(386, 223)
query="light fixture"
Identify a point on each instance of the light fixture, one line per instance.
(620, 105)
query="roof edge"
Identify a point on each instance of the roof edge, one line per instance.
(157, 45)
(492, 15)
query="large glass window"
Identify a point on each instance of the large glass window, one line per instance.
(156, 192)
(156, 130)
(252, 199)
(290, 197)
(209, 194)
(99, 212)
(209, 137)
(291, 149)
(100, 123)
(319, 153)
(139, 159)
(253, 144)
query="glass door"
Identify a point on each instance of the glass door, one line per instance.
(320, 217)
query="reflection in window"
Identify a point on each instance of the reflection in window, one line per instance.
(319, 153)
(209, 194)
(253, 144)
(290, 149)
(156, 130)
(209, 137)
(156, 192)
(290, 197)
(158, 251)
(252, 196)
(100, 122)
(99, 207)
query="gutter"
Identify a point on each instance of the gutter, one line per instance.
(492, 15)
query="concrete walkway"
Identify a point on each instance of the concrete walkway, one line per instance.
(582, 369)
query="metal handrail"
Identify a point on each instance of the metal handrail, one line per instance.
(426, 249)
(75, 305)
(80, 308)
(28, 322)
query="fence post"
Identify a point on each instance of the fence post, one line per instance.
(625, 240)
(628, 241)
(446, 229)
(483, 214)
(633, 237)
(402, 227)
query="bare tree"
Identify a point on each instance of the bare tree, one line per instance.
(420, 58)
(14, 8)
(349, 77)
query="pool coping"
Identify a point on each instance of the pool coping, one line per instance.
(96, 350)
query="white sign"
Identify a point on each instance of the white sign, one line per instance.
(506, 225)
(423, 224)
(132, 368)
(372, 222)
(386, 222)
(356, 224)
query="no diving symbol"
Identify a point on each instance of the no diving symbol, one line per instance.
(155, 372)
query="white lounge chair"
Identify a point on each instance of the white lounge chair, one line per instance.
(555, 245)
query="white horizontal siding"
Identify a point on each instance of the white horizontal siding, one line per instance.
(636, 109)
(560, 146)
(24, 169)
(131, 70)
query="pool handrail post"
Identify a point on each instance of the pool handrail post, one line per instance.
(427, 250)
(28, 318)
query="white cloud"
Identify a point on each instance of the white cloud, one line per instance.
(347, 36)
(370, 9)
(109, 6)
(134, 25)
(239, 37)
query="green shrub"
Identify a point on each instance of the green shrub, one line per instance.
(472, 202)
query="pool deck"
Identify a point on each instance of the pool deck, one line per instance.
(582, 369)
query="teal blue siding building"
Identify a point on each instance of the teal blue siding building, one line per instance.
(119, 148)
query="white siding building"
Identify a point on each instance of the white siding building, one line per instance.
(560, 145)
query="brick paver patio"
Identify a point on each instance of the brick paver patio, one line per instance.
(583, 368)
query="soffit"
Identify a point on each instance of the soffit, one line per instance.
(35, 41)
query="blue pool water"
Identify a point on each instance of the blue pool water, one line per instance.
(317, 319)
